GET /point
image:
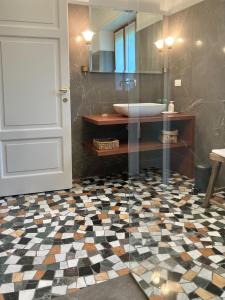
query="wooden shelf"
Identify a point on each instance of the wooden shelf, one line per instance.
(116, 119)
(181, 158)
(141, 147)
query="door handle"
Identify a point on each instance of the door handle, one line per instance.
(64, 90)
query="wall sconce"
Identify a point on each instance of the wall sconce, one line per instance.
(88, 36)
(159, 45)
(168, 41)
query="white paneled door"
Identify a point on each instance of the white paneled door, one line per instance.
(35, 117)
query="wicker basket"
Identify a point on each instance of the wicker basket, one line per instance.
(169, 137)
(106, 144)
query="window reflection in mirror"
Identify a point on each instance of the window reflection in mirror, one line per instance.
(124, 41)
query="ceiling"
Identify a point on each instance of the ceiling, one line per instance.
(164, 6)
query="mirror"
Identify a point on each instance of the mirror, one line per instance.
(124, 41)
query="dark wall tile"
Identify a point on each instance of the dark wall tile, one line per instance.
(200, 62)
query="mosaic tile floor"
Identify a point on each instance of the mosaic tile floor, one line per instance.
(179, 247)
(56, 243)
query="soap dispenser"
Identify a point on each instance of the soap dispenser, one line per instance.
(171, 107)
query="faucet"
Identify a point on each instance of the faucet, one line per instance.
(128, 82)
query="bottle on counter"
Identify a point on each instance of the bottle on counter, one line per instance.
(171, 107)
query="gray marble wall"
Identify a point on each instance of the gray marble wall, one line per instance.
(95, 94)
(148, 57)
(200, 62)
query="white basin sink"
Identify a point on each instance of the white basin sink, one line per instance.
(139, 109)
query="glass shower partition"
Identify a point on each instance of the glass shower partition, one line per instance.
(148, 158)
(161, 167)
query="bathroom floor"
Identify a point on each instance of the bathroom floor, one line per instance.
(121, 288)
(53, 244)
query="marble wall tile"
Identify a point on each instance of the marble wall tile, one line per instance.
(200, 62)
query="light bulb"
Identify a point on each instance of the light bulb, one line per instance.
(159, 44)
(169, 41)
(88, 36)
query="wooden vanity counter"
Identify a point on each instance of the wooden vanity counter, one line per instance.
(181, 155)
(115, 119)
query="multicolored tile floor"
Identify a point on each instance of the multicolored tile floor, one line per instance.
(53, 244)
(180, 246)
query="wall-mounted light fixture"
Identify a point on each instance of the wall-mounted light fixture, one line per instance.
(88, 36)
(168, 41)
(159, 44)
